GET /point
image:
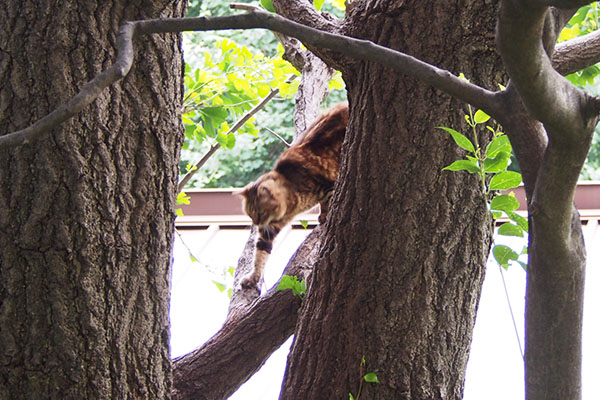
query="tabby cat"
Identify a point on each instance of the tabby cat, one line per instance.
(302, 177)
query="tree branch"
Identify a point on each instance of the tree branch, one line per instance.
(550, 98)
(576, 54)
(88, 93)
(248, 336)
(360, 49)
(555, 276)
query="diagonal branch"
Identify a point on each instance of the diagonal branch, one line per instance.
(356, 48)
(234, 128)
(253, 330)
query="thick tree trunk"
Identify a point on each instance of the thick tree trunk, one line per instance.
(86, 214)
(403, 257)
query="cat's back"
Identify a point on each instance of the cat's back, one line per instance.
(328, 130)
(314, 157)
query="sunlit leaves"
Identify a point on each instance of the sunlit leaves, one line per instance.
(292, 283)
(504, 202)
(492, 161)
(480, 117)
(584, 21)
(230, 82)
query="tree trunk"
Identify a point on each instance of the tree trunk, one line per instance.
(403, 257)
(86, 214)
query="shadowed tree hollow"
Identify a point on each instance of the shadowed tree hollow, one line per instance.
(87, 216)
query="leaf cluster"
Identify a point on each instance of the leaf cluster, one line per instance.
(490, 163)
(288, 282)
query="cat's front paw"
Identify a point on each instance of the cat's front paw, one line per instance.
(249, 281)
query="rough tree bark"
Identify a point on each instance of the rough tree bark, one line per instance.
(378, 290)
(86, 215)
(567, 116)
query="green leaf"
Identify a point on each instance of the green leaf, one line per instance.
(183, 198)
(339, 4)
(220, 286)
(460, 139)
(463, 165)
(521, 221)
(496, 164)
(505, 180)
(499, 144)
(505, 202)
(350, 396)
(222, 139)
(267, 5)
(291, 282)
(189, 131)
(304, 223)
(503, 254)
(230, 143)
(371, 377)
(508, 229)
(179, 212)
(523, 265)
(496, 214)
(318, 4)
(480, 117)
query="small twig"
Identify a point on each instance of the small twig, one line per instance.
(244, 6)
(234, 128)
(186, 178)
(277, 136)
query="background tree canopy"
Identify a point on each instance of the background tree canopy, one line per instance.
(233, 87)
(238, 69)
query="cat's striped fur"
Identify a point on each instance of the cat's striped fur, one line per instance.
(303, 176)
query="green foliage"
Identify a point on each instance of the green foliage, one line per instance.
(231, 80)
(370, 377)
(182, 198)
(585, 20)
(493, 159)
(267, 5)
(490, 164)
(288, 282)
(227, 73)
